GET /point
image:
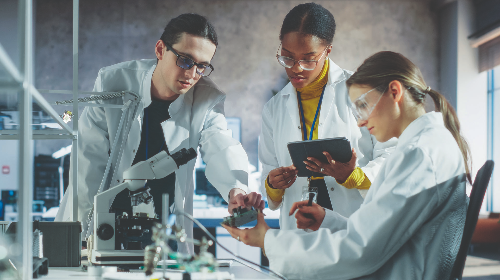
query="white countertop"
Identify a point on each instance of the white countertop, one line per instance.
(236, 271)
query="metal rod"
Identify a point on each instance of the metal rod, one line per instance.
(96, 105)
(491, 134)
(164, 209)
(48, 108)
(37, 132)
(9, 65)
(54, 91)
(164, 221)
(92, 98)
(60, 170)
(24, 231)
(74, 158)
(36, 137)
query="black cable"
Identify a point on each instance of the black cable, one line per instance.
(238, 257)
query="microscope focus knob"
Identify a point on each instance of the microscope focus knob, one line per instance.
(105, 232)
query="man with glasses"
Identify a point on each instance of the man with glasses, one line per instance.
(180, 108)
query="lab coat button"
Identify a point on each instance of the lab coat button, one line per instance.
(332, 189)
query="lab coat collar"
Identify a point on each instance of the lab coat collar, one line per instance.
(146, 86)
(146, 93)
(185, 98)
(418, 125)
(335, 74)
(176, 128)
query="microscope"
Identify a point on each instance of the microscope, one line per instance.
(120, 239)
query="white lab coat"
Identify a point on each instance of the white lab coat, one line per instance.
(196, 120)
(281, 124)
(409, 226)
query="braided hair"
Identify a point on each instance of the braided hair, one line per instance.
(310, 19)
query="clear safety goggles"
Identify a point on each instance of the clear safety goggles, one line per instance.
(307, 65)
(363, 106)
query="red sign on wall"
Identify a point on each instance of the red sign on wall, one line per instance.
(5, 169)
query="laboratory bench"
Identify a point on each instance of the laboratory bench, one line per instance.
(235, 271)
(210, 217)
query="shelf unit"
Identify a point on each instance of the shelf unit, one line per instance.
(22, 80)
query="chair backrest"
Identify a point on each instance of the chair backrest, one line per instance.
(476, 199)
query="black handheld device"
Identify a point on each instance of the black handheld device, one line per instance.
(339, 149)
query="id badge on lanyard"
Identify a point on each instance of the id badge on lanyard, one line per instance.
(308, 190)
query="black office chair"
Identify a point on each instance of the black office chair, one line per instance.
(476, 199)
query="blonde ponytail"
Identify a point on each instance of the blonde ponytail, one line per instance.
(451, 122)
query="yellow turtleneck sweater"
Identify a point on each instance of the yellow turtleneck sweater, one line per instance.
(310, 96)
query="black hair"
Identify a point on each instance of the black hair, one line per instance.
(310, 19)
(189, 23)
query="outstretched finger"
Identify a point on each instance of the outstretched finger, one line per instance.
(329, 158)
(284, 177)
(310, 164)
(316, 161)
(297, 205)
(262, 205)
(284, 184)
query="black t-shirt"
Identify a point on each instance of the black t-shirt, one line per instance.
(152, 142)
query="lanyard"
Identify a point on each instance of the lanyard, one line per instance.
(147, 133)
(303, 120)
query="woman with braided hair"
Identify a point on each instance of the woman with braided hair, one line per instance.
(314, 105)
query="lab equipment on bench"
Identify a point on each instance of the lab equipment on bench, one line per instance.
(165, 231)
(240, 216)
(121, 239)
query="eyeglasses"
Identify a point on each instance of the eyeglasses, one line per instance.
(187, 63)
(307, 65)
(363, 106)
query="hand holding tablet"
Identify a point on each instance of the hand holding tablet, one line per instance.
(338, 156)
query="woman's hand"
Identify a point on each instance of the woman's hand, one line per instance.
(251, 236)
(282, 177)
(308, 217)
(338, 170)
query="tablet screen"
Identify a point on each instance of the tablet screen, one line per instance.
(339, 149)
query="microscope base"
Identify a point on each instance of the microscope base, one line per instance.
(117, 257)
